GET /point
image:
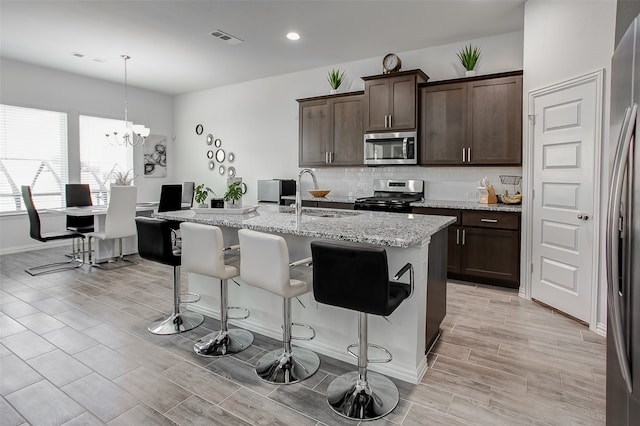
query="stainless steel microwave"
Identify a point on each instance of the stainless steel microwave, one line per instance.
(390, 148)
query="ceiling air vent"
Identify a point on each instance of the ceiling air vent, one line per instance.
(226, 37)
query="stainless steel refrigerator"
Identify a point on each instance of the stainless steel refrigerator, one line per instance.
(623, 235)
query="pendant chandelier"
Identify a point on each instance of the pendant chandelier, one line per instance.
(131, 134)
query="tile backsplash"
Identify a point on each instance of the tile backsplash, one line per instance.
(441, 183)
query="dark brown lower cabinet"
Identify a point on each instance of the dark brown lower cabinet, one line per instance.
(483, 247)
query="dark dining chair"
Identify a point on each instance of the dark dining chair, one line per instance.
(188, 189)
(170, 198)
(78, 195)
(35, 231)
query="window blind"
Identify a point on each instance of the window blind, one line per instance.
(33, 151)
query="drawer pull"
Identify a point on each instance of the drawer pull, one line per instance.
(489, 220)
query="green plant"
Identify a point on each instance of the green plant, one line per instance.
(335, 78)
(234, 192)
(201, 192)
(469, 56)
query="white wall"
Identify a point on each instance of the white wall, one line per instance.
(27, 85)
(564, 40)
(258, 120)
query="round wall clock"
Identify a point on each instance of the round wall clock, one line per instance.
(199, 129)
(391, 63)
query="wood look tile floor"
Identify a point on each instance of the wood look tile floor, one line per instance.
(74, 349)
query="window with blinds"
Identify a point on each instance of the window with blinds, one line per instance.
(33, 151)
(102, 162)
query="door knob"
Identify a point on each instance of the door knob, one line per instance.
(583, 216)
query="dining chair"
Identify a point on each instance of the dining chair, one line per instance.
(78, 195)
(170, 198)
(119, 221)
(35, 230)
(188, 189)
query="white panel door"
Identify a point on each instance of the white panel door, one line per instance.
(564, 136)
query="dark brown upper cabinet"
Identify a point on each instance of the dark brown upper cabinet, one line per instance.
(391, 102)
(330, 130)
(474, 121)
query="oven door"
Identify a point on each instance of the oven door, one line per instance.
(378, 207)
(390, 148)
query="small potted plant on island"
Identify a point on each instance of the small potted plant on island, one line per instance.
(233, 196)
(469, 56)
(335, 79)
(201, 193)
(122, 178)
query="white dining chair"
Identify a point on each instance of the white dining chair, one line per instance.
(119, 222)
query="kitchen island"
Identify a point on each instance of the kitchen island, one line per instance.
(409, 332)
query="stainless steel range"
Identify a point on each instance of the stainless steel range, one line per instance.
(392, 195)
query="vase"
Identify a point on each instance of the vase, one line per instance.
(333, 91)
(234, 204)
(470, 73)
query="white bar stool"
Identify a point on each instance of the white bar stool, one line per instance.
(264, 263)
(203, 253)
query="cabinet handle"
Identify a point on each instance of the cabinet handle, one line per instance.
(469, 154)
(489, 220)
(390, 120)
(326, 157)
(463, 155)
(331, 157)
(457, 237)
(464, 236)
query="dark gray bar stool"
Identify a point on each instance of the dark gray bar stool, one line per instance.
(356, 277)
(154, 243)
(264, 263)
(203, 253)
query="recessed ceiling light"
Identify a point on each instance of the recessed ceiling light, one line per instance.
(293, 36)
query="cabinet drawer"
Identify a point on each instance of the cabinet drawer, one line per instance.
(438, 212)
(491, 220)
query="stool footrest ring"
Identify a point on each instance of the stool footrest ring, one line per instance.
(371, 360)
(308, 327)
(239, 308)
(189, 297)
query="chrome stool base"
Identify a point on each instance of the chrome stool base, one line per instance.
(222, 343)
(176, 323)
(279, 368)
(362, 400)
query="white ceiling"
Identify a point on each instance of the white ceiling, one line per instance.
(173, 52)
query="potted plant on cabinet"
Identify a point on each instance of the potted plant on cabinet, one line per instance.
(201, 193)
(469, 56)
(122, 178)
(335, 79)
(233, 195)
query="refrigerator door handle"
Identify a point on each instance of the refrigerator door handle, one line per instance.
(613, 213)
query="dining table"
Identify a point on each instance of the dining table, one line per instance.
(107, 249)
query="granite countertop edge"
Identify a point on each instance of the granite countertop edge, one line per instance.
(442, 204)
(375, 228)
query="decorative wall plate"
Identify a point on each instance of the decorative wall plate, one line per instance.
(209, 154)
(217, 143)
(212, 165)
(231, 156)
(199, 129)
(209, 139)
(243, 186)
(221, 170)
(231, 171)
(220, 155)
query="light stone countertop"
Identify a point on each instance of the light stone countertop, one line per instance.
(469, 205)
(441, 204)
(376, 228)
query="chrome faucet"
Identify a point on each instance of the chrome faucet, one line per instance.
(298, 197)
